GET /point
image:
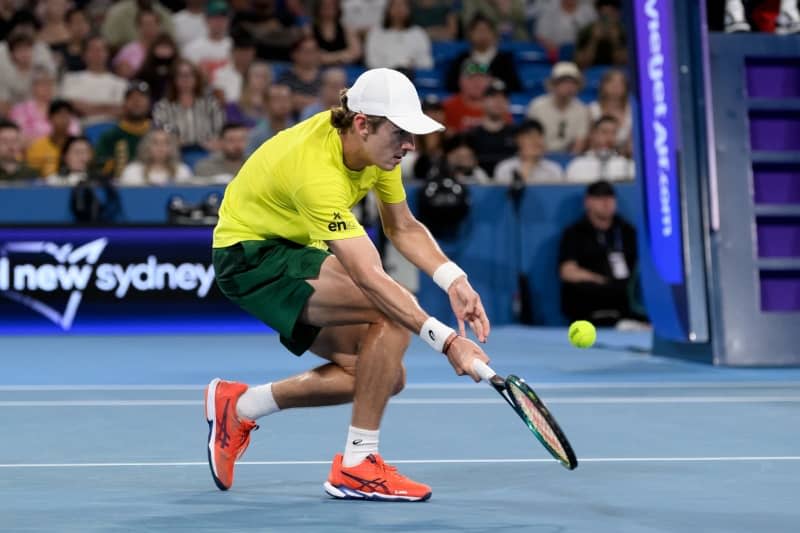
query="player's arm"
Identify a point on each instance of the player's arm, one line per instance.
(415, 242)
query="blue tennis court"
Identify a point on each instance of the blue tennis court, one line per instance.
(108, 434)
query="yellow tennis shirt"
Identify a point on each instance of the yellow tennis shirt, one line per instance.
(296, 187)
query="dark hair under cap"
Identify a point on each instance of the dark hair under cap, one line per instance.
(600, 188)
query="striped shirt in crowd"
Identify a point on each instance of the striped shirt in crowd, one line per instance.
(193, 125)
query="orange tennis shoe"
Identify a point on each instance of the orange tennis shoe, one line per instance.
(372, 479)
(228, 435)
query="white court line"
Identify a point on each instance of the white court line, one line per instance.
(716, 459)
(437, 386)
(424, 401)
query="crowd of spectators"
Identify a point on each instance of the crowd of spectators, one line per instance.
(156, 92)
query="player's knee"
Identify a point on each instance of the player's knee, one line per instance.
(400, 384)
(394, 335)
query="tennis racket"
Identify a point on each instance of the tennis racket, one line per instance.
(532, 411)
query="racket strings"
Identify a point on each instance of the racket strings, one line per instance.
(539, 422)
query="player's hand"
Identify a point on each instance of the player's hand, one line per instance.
(461, 353)
(468, 308)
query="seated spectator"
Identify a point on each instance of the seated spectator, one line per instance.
(274, 28)
(222, 166)
(334, 80)
(31, 115)
(278, 117)
(483, 39)
(12, 169)
(158, 162)
(117, 146)
(603, 41)
(75, 163)
(190, 22)
(230, 78)
(44, 153)
(117, 28)
(158, 63)
(54, 30)
(95, 93)
(529, 165)
(304, 76)
(212, 51)
(493, 139)
(16, 75)
(254, 96)
(130, 58)
(461, 162)
(25, 22)
(396, 43)
(437, 17)
(508, 16)
(612, 100)
(69, 54)
(559, 21)
(601, 161)
(362, 15)
(596, 258)
(464, 109)
(338, 46)
(565, 118)
(426, 161)
(187, 110)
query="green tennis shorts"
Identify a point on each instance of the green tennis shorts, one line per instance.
(268, 280)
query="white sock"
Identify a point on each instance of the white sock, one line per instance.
(257, 402)
(360, 443)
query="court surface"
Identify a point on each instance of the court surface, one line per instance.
(108, 434)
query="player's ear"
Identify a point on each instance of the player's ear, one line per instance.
(361, 125)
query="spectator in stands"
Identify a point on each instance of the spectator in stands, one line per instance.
(564, 117)
(396, 43)
(74, 165)
(158, 162)
(117, 28)
(427, 160)
(70, 53)
(362, 15)
(612, 100)
(16, 75)
(212, 51)
(464, 109)
(117, 146)
(11, 167)
(338, 46)
(483, 39)
(528, 165)
(254, 96)
(603, 41)
(130, 58)
(31, 114)
(334, 80)
(601, 161)
(461, 162)
(158, 63)
(304, 76)
(230, 78)
(44, 153)
(274, 29)
(437, 17)
(187, 110)
(278, 117)
(222, 166)
(596, 258)
(190, 22)
(25, 21)
(95, 93)
(508, 16)
(560, 21)
(493, 139)
(54, 30)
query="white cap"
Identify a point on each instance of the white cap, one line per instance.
(566, 69)
(383, 92)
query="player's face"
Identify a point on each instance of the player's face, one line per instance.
(387, 145)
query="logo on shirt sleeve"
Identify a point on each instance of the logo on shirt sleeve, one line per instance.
(337, 224)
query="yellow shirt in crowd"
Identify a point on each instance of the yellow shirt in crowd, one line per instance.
(296, 187)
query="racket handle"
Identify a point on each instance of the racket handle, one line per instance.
(483, 370)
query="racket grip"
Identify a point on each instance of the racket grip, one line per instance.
(483, 370)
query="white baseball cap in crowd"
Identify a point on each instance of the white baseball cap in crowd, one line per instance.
(383, 92)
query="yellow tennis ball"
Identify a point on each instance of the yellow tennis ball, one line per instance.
(582, 333)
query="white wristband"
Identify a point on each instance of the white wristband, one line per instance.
(446, 273)
(435, 333)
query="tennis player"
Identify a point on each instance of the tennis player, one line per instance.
(288, 250)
